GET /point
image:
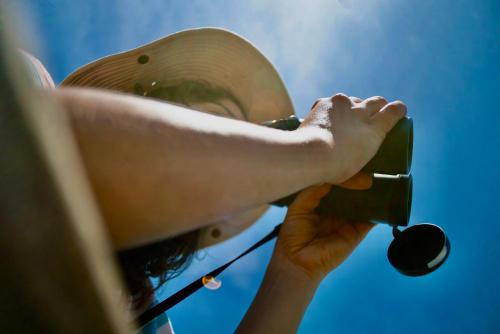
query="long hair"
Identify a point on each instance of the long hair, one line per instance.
(163, 260)
(166, 259)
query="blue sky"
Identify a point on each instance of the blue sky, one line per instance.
(440, 57)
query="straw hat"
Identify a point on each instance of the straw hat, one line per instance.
(214, 56)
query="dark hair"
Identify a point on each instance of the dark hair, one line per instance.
(166, 259)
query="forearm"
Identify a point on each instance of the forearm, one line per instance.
(280, 302)
(159, 171)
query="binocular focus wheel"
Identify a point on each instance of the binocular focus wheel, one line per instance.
(419, 249)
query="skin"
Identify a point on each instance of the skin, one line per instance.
(174, 169)
(308, 248)
(126, 144)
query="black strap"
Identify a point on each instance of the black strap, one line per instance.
(188, 290)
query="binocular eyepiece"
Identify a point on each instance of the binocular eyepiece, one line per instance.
(416, 251)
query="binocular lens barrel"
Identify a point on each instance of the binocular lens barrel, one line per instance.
(387, 201)
(389, 198)
(416, 251)
(395, 154)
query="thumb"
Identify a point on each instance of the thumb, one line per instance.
(308, 199)
(360, 181)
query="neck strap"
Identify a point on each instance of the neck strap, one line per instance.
(188, 290)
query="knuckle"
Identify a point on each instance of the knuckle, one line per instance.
(356, 99)
(321, 100)
(315, 103)
(340, 97)
(397, 106)
(376, 99)
(380, 99)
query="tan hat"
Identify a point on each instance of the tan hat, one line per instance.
(214, 56)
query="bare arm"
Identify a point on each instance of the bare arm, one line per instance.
(308, 248)
(281, 301)
(159, 170)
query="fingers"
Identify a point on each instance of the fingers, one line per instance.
(363, 228)
(308, 199)
(341, 101)
(385, 115)
(359, 181)
(389, 115)
(315, 103)
(374, 104)
(340, 98)
(354, 232)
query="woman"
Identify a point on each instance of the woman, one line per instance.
(170, 179)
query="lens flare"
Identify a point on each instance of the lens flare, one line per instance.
(211, 283)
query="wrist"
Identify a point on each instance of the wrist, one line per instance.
(319, 147)
(283, 269)
(281, 301)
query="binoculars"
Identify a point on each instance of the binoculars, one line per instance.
(417, 250)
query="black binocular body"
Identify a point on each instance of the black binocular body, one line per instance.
(389, 198)
(415, 251)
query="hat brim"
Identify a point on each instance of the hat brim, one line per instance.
(214, 56)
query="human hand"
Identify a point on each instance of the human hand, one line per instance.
(313, 244)
(353, 130)
(308, 247)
